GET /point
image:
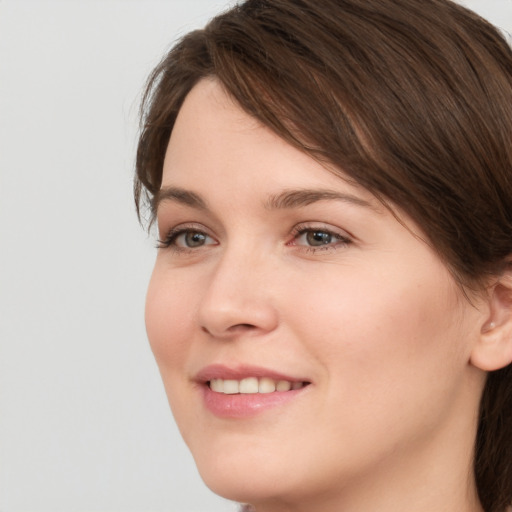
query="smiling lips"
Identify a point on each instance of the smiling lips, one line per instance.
(252, 385)
(246, 391)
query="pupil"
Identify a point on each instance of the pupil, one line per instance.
(319, 238)
(194, 239)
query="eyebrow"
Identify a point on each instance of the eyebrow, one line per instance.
(288, 199)
(179, 195)
(303, 197)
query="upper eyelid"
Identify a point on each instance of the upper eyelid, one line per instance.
(322, 226)
(322, 230)
(166, 237)
(338, 238)
(166, 228)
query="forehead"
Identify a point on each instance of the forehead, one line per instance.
(212, 129)
(215, 143)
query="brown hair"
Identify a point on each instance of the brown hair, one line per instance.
(411, 98)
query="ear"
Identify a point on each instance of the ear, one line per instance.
(493, 349)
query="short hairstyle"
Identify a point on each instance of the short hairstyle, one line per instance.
(412, 99)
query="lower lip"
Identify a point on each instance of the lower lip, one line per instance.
(246, 405)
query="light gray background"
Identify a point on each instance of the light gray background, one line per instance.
(84, 422)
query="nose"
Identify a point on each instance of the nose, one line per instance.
(238, 298)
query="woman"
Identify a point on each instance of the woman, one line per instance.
(331, 304)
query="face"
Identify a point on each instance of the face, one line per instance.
(274, 272)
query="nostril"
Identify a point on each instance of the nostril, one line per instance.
(241, 327)
(232, 330)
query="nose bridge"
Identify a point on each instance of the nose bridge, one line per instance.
(237, 295)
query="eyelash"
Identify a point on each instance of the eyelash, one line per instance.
(169, 242)
(340, 240)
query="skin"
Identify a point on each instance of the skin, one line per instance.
(373, 319)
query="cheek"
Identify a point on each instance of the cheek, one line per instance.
(168, 318)
(391, 357)
(385, 340)
(388, 309)
(170, 305)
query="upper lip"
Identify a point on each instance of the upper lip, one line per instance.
(239, 372)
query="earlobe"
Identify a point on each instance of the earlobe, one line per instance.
(493, 349)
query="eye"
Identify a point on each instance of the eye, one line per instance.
(183, 238)
(318, 238)
(191, 239)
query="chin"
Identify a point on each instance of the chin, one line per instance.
(242, 489)
(247, 477)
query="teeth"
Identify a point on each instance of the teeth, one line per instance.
(217, 385)
(267, 385)
(249, 385)
(231, 387)
(252, 385)
(284, 385)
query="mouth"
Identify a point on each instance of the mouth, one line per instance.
(254, 385)
(243, 392)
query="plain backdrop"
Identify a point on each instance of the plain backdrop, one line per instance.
(84, 422)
